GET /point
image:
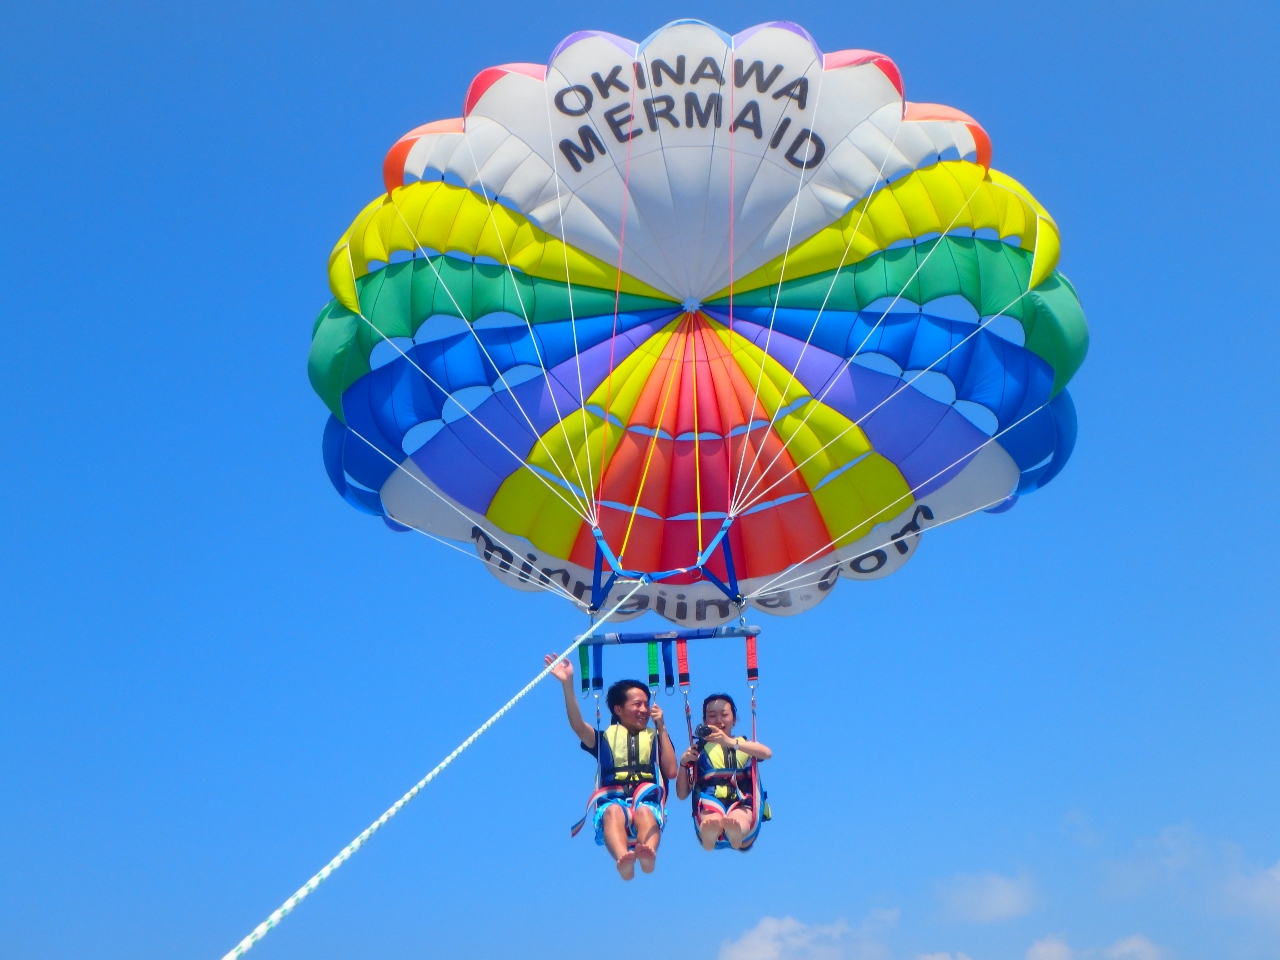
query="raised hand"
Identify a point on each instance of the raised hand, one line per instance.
(562, 671)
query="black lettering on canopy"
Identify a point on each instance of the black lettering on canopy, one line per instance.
(574, 153)
(749, 117)
(708, 69)
(763, 83)
(869, 562)
(604, 83)
(829, 579)
(583, 92)
(797, 90)
(911, 528)
(660, 107)
(779, 133)
(661, 66)
(491, 550)
(619, 124)
(774, 601)
(814, 155)
(637, 68)
(723, 610)
(692, 109)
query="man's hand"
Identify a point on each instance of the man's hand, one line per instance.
(562, 671)
(689, 757)
(655, 714)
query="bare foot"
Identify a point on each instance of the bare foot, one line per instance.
(733, 832)
(647, 857)
(627, 865)
(709, 831)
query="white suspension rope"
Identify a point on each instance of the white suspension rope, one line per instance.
(786, 252)
(866, 205)
(575, 507)
(756, 497)
(799, 581)
(307, 888)
(910, 493)
(551, 586)
(568, 282)
(533, 337)
(844, 364)
(502, 377)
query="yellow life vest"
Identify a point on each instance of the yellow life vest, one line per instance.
(721, 767)
(631, 758)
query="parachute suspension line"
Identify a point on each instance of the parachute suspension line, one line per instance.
(306, 890)
(575, 507)
(733, 112)
(617, 299)
(541, 581)
(813, 328)
(573, 323)
(811, 578)
(786, 252)
(906, 496)
(897, 390)
(585, 510)
(694, 334)
(653, 440)
(746, 500)
(533, 337)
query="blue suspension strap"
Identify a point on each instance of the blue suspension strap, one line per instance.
(597, 675)
(669, 675)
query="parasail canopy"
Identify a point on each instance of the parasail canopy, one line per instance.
(722, 314)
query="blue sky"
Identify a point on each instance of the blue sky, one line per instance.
(1051, 736)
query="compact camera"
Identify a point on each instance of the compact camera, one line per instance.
(701, 732)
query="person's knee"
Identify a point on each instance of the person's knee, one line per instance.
(613, 815)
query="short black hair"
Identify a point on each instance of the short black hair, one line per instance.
(617, 694)
(720, 696)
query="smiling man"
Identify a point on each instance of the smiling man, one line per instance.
(635, 762)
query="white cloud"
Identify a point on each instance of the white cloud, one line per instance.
(987, 897)
(1136, 947)
(1254, 891)
(786, 938)
(1050, 948)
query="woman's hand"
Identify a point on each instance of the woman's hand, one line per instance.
(562, 671)
(689, 757)
(719, 737)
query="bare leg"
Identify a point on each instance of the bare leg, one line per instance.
(615, 840)
(737, 824)
(709, 829)
(648, 836)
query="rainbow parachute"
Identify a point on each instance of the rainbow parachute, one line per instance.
(723, 315)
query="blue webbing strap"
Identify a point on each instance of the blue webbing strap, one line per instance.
(668, 669)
